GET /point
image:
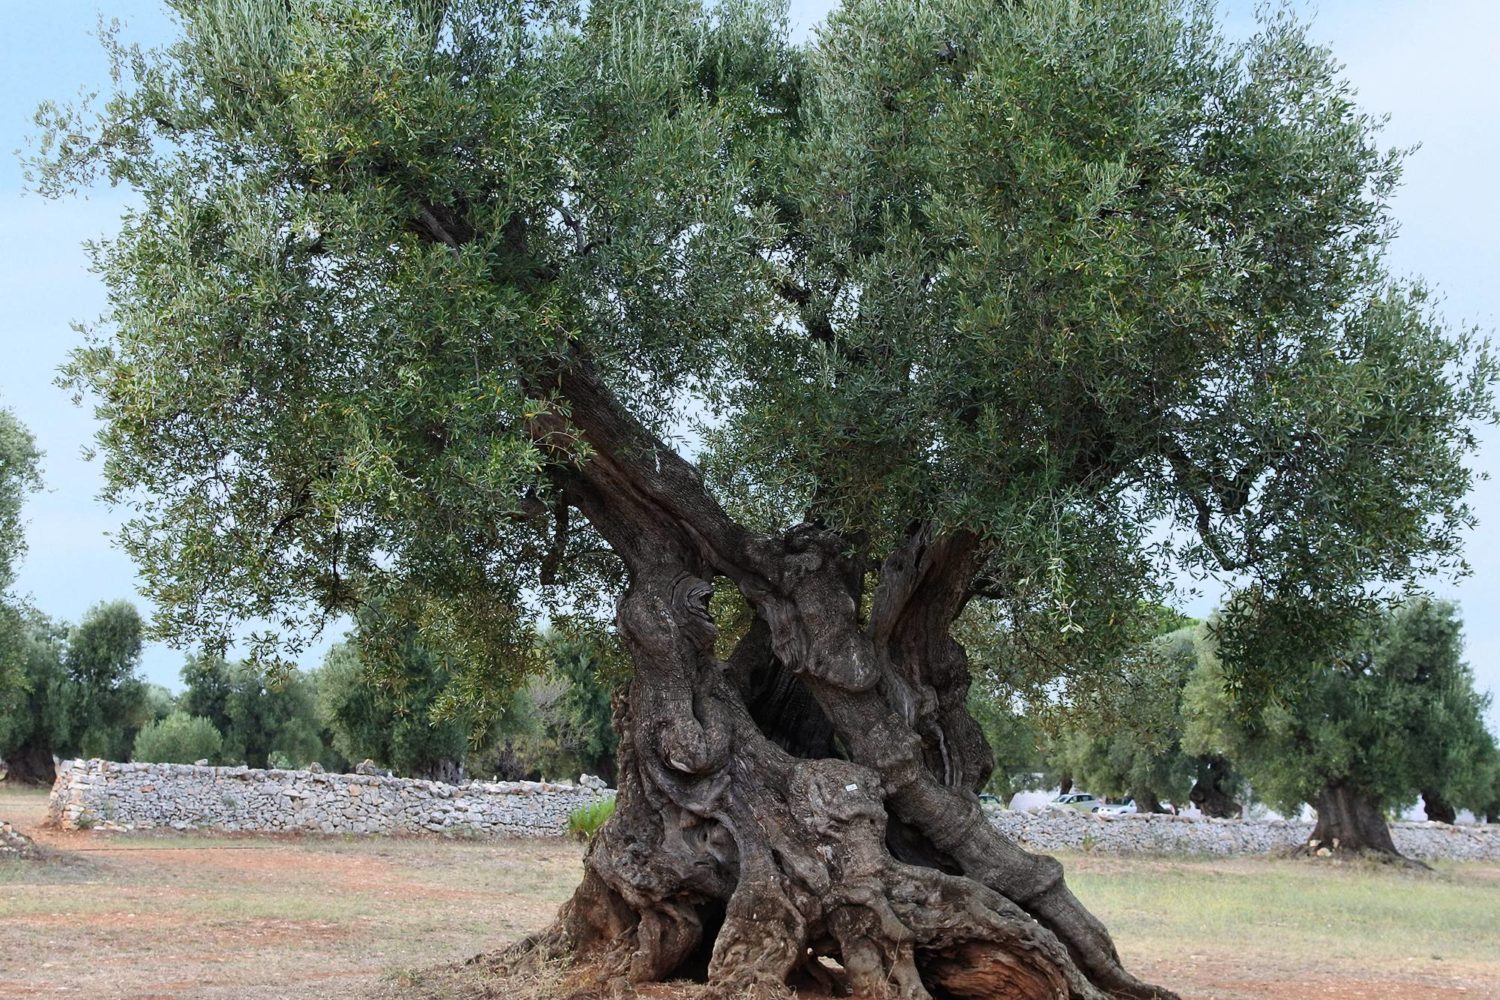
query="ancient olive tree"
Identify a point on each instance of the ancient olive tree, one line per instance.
(964, 298)
(263, 722)
(20, 475)
(1392, 715)
(392, 718)
(1133, 746)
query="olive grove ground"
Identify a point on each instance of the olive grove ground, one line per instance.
(259, 917)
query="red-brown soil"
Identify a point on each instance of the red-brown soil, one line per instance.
(174, 916)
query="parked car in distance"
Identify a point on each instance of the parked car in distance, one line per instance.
(1116, 808)
(1082, 801)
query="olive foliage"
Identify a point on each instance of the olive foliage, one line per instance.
(1393, 715)
(263, 721)
(1049, 272)
(80, 691)
(20, 475)
(1135, 751)
(111, 701)
(178, 738)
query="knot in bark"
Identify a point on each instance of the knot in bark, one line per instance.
(684, 746)
(690, 609)
(840, 794)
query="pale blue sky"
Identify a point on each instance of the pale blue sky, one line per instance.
(1430, 65)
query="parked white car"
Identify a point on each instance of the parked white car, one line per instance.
(1116, 808)
(1082, 801)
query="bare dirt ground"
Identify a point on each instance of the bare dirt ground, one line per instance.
(180, 915)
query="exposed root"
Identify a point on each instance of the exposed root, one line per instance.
(1337, 853)
(731, 861)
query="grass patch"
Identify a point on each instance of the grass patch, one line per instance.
(585, 821)
(1304, 911)
(304, 917)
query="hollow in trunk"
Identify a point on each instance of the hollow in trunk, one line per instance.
(806, 810)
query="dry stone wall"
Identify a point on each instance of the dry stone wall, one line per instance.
(14, 843)
(1069, 829)
(104, 795)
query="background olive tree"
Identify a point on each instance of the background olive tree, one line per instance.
(20, 475)
(1391, 716)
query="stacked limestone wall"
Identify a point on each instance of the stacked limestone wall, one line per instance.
(101, 794)
(1069, 829)
(96, 793)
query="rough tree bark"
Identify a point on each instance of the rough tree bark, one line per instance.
(1147, 801)
(1351, 824)
(1438, 809)
(444, 769)
(32, 764)
(1210, 795)
(814, 796)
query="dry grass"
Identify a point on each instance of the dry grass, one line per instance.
(145, 915)
(1253, 927)
(114, 916)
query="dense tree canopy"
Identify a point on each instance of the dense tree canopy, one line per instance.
(1016, 739)
(968, 298)
(263, 722)
(394, 723)
(102, 655)
(178, 738)
(1135, 750)
(935, 267)
(589, 674)
(1392, 716)
(42, 715)
(80, 693)
(19, 475)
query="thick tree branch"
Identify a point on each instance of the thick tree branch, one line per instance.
(437, 230)
(1189, 478)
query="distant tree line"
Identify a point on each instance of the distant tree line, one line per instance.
(76, 691)
(1391, 720)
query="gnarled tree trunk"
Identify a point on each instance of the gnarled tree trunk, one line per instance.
(32, 764)
(815, 795)
(443, 769)
(1147, 801)
(1210, 795)
(1438, 809)
(1350, 823)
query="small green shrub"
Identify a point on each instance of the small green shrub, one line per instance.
(178, 739)
(585, 821)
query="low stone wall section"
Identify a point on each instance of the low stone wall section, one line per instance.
(1070, 829)
(14, 844)
(104, 795)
